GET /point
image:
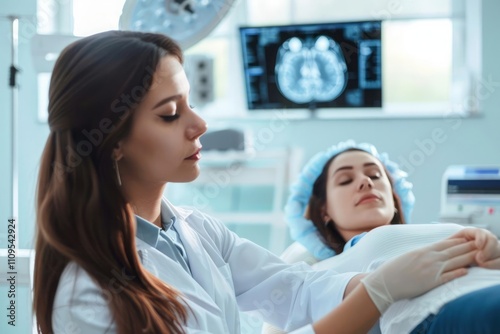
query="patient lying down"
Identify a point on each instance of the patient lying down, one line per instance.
(385, 242)
(350, 207)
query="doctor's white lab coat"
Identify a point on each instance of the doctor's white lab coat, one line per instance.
(228, 274)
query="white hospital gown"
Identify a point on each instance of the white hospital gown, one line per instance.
(386, 242)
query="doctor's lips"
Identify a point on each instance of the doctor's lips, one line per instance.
(368, 198)
(195, 156)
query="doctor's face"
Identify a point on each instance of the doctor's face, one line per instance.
(359, 196)
(163, 144)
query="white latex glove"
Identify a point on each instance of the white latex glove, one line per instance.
(416, 272)
(487, 244)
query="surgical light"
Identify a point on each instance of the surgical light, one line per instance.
(186, 21)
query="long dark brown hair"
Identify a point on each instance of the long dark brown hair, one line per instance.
(82, 215)
(329, 232)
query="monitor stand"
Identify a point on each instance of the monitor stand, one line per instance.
(312, 109)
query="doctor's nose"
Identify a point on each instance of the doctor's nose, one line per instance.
(197, 127)
(365, 183)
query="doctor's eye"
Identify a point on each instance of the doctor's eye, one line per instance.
(170, 118)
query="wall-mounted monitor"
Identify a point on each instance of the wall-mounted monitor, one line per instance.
(327, 65)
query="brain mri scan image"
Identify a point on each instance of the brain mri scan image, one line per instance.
(328, 65)
(311, 70)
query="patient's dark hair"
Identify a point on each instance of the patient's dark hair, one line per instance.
(329, 232)
(82, 214)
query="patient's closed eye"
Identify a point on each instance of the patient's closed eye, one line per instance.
(373, 172)
(344, 181)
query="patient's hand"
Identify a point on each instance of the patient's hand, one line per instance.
(488, 246)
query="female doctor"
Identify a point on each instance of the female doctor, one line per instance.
(113, 256)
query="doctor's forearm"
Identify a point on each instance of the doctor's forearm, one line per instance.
(353, 283)
(356, 314)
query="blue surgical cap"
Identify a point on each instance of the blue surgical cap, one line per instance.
(303, 230)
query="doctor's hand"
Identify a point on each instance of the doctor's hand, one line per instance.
(487, 244)
(416, 272)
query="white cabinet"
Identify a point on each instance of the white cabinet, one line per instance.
(245, 190)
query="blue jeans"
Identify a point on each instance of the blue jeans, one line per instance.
(477, 312)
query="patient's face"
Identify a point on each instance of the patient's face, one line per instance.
(358, 194)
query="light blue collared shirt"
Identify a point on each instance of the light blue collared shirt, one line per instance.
(166, 239)
(354, 240)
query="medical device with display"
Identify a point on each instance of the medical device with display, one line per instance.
(471, 196)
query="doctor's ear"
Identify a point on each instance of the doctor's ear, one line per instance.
(117, 152)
